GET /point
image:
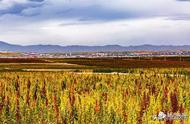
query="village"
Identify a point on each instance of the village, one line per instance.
(4, 54)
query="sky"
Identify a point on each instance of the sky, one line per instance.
(95, 22)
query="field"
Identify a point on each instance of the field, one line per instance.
(134, 97)
(58, 97)
(92, 64)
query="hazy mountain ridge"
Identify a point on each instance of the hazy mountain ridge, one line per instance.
(79, 48)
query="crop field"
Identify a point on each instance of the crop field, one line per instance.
(75, 98)
(128, 62)
(92, 64)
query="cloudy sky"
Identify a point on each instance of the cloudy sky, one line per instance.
(95, 22)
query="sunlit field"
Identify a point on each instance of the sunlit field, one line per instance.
(82, 98)
(94, 61)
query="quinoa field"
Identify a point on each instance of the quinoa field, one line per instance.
(136, 97)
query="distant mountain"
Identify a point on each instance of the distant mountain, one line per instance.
(77, 48)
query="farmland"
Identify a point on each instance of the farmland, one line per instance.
(59, 97)
(136, 95)
(93, 64)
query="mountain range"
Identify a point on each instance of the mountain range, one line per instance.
(78, 48)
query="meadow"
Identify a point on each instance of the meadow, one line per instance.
(82, 98)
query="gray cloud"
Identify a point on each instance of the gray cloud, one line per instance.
(95, 10)
(95, 22)
(184, 0)
(37, 0)
(16, 6)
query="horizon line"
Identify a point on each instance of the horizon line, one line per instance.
(95, 45)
